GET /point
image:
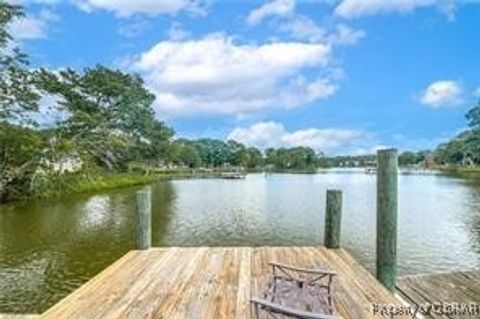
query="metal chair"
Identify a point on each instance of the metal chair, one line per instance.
(294, 292)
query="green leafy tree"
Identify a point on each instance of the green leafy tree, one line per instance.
(17, 83)
(20, 152)
(464, 149)
(110, 115)
(189, 156)
(237, 153)
(473, 116)
(20, 147)
(296, 158)
(254, 158)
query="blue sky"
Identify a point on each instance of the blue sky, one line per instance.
(344, 76)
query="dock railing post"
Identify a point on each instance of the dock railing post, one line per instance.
(333, 218)
(143, 233)
(387, 206)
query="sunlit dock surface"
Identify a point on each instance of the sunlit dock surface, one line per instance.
(460, 287)
(212, 283)
(13, 316)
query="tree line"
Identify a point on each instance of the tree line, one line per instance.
(463, 149)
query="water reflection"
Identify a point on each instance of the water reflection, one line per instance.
(472, 221)
(49, 248)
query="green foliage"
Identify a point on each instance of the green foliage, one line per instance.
(216, 153)
(110, 116)
(254, 158)
(71, 183)
(110, 122)
(20, 155)
(296, 158)
(464, 149)
(17, 91)
(412, 158)
(473, 116)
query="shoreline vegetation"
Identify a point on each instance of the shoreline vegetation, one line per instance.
(461, 170)
(81, 184)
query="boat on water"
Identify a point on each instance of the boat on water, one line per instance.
(370, 170)
(233, 175)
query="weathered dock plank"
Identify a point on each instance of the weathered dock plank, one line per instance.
(462, 287)
(212, 283)
(15, 316)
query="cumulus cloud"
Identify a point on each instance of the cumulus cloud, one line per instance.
(125, 9)
(304, 28)
(301, 27)
(357, 8)
(32, 27)
(214, 75)
(442, 94)
(273, 134)
(271, 8)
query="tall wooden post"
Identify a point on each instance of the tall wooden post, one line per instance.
(333, 218)
(144, 221)
(387, 206)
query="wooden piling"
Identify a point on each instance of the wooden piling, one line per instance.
(333, 218)
(144, 221)
(387, 206)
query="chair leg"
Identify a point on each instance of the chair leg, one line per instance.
(255, 310)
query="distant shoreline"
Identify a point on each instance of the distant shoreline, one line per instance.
(78, 184)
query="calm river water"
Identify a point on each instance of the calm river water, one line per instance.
(49, 248)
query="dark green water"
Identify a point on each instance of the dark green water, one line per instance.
(49, 248)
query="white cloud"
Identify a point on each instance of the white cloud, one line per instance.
(357, 8)
(177, 32)
(273, 134)
(442, 93)
(32, 27)
(28, 28)
(25, 2)
(304, 28)
(125, 9)
(133, 29)
(477, 92)
(346, 35)
(271, 8)
(214, 75)
(301, 27)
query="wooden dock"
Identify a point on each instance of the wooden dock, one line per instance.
(212, 283)
(14, 316)
(462, 287)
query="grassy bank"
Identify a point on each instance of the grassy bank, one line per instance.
(57, 186)
(458, 169)
(79, 183)
(110, 181)
(470, 171)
